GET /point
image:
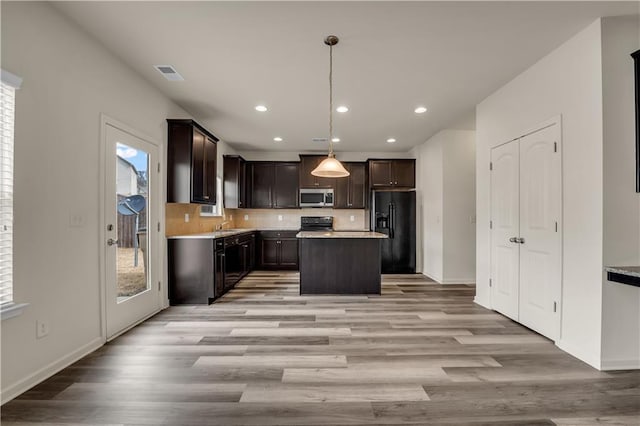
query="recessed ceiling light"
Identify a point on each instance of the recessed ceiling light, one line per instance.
(261, 108)
(420, 110)
(391, 140)
(335, 140)
(277, 139)
(342, 108)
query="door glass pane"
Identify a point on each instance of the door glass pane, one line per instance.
(132, 192)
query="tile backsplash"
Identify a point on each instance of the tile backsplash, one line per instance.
(290, 218)
(256, 218)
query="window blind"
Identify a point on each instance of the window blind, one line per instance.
(7, 117)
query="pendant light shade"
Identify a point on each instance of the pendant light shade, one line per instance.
(330, 167)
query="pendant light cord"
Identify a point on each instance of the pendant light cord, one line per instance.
(330, 100)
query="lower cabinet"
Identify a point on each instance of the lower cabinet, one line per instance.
(192, 271)
(203, 269)
(277, 250)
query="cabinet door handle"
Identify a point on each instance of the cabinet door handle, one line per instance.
(206, 197)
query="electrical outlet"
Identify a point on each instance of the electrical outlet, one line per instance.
(186, 218)
(246, 217)
(230, 217)
(352, 218)
(42, 329)
(280, 217)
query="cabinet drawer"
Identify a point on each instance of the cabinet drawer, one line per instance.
(278, 234)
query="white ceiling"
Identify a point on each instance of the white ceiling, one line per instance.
(392, 57)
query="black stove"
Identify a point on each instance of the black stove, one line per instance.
(316, 223)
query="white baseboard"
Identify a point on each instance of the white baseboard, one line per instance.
(580, 353)
(433, 277)
(459, 281)
(49, 370)
(620, 364)
(481, 303)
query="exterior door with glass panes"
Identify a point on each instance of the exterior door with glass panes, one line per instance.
(130, 233)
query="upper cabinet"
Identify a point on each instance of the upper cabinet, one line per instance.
(307, 180)
(273, 185)
(352, 192)
(235, 185)
(392, 173)
(191, 163)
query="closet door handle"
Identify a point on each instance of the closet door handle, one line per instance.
(513, 240)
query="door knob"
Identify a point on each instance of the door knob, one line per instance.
(112, 242)
(513, 239)
(521, 240)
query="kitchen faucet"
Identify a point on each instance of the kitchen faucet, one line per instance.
(219, 226)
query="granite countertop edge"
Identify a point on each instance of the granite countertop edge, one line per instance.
(633, 271)
(341, 234)
(226, 233)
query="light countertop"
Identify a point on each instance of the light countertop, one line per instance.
(340, 234)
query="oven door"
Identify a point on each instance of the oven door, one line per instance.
(312, 198)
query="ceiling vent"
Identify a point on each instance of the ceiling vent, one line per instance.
(169, 72)
(320, 140)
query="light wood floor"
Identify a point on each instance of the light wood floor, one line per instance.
(421, 353)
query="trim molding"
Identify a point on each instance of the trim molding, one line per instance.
(481, 303)
(620, 364)
(49, 370)
(580, 353)
(459, 281)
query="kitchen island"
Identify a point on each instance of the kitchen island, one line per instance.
(340, 262)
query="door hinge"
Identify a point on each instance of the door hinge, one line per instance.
(556, 226)
(159, 285)
(490, 165)
(490, 224)
(555, 306)
(158, 226)
(158, 167)
(490, 282)
(555, 147)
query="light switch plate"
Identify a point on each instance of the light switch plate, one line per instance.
(246, 217)
(352, 218)
(280, 217)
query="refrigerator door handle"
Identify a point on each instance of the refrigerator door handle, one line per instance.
(392, 220)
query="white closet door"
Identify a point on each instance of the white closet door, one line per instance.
(541, 242)
(505, 227)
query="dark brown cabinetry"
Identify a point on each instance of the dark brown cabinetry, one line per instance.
(307, 180)
(193, 271)
(278, 250)
(352, 192)
(203, 269)
(273, 185)
(393, 173)
(235, 185)
(191, 163)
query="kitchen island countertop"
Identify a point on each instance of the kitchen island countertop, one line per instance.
(340, 234)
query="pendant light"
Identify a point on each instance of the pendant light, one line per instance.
(330, 166)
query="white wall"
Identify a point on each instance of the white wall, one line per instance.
(69, 80)
(459, 234)
(566, 82)
(445, 187)
(621, 303)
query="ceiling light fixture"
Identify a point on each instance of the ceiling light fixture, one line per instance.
(391, 140)
(261, 108)
(342, 108)
(335, 140)
(277, 139)
(420, 110)
(330, 167)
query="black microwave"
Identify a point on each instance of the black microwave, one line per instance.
(314, 197)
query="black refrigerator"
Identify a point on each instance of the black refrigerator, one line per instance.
(394, 214)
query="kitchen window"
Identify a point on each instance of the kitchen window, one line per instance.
(8, 86)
